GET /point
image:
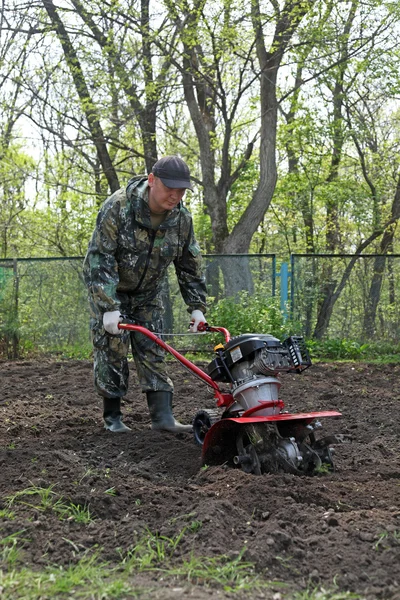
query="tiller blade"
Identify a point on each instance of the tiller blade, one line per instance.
(277, 443)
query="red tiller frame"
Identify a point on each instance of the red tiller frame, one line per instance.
(222, 399)
(227, 399)
(262, 405)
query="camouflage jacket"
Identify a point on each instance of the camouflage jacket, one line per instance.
(126, 255)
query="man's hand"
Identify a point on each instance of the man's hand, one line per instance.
(196, 319)
(110, 322)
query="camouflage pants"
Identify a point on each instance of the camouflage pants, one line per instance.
(111, 370)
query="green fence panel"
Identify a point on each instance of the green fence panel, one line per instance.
(44, 300)
(51, 301)
(364, 292)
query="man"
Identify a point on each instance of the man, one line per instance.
(140, 231)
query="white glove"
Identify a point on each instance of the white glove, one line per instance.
(110, 322)
(196, 318)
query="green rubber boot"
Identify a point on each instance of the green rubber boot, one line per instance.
(160, 407)
(112, 416)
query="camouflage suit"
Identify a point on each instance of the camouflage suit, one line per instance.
(124, 270)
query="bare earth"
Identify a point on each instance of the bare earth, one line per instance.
(337, 529)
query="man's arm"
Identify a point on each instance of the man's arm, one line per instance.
(100, 265)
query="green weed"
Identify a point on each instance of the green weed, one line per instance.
(322, 594)
(185, 517)
(7, 514)
(48, 500)
(195, 526)
(74, 512)
(232, 574)
(151, 551)
(10, 553)
(46, 497)
(388, 537)
(88, 473)
(323, 469)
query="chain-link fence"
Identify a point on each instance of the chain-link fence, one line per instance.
(43, 306)
(347, 296)
(43, 302)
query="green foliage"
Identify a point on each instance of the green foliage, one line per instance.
(16, 167)
(342, 349)
(250, 313)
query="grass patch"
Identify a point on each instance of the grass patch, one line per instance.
(74, 512)
(5, 513)
(232, 575)
(89, 578)
(94, 579)
(154, 553)
(11, 550)
(350, 350)
(47, 499)
(322, 594)
(46, 496)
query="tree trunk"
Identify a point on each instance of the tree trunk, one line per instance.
(332, 208)
(379, 269)
(82, 89)
(202, 91)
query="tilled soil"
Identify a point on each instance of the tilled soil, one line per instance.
(337, 530)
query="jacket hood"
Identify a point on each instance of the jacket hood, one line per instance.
(138, 185)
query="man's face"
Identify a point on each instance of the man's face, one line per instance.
(161, 197)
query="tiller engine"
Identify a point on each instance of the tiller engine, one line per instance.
(249, 428)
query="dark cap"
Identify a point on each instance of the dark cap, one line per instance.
(173, 172)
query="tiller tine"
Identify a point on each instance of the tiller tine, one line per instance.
(276, 443)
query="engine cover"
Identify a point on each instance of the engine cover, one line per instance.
(253, 355)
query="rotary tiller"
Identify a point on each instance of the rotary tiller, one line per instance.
(249, 428)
